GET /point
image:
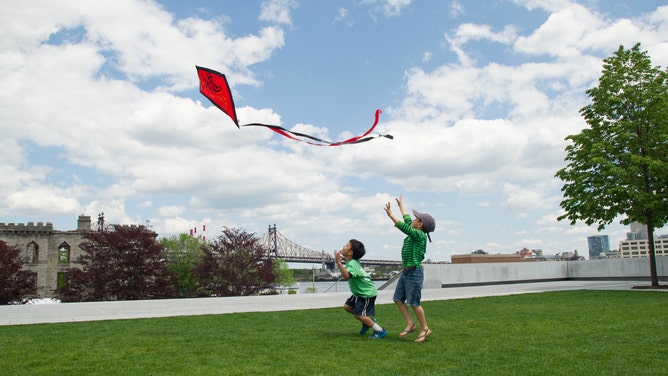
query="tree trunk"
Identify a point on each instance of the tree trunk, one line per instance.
(652, 254)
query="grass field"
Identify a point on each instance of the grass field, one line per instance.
(555, 333)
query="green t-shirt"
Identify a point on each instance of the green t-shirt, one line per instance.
(360, 281)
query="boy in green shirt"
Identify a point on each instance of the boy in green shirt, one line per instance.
(362, 302)
(408, 291)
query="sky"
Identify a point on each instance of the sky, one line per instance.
(100, 112)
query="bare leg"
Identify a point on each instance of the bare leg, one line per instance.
(404, 312)
(366, 320)
(422, 320)
(425, 332)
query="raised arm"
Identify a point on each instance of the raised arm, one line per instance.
(400, 202)
(388, 210)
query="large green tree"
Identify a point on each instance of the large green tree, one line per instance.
(618, 166)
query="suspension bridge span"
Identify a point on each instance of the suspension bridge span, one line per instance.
(278, 246)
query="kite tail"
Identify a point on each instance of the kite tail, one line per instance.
(358, 139)
(320, 142)
(290, 134)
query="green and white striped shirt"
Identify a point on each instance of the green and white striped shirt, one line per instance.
(415, 243)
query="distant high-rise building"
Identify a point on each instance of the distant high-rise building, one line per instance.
(638, 232)
(598, 244)
(637, 243)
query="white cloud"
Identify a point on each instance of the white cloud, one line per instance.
(277, 11)
(171, 211)
(390, 7)
(526, 198)
(42, 201)
(456, 9)
(426, 57)
(471, 32)
(342, 15)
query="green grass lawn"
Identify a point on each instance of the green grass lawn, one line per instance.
(556, 333)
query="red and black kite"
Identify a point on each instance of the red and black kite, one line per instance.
(213, 85)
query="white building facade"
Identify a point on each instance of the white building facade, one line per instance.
(640, 248)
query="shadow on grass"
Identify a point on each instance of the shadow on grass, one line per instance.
(660, 287)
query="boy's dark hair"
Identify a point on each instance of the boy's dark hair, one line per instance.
(358, 249)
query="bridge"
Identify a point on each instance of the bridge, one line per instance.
(278, 246)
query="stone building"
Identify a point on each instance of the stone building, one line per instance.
(47, 252)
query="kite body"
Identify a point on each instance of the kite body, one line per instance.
(213, 85)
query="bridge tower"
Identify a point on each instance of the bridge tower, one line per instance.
(273, 242)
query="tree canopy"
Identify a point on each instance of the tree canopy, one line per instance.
(123, 263)
(16, 284)
(234, 264)
(183, 251)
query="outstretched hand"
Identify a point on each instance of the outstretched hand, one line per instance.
(400, 203)
(388, 210)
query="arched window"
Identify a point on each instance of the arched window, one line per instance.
(64, 253)
(32, 253)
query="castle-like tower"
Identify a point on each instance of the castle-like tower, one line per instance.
(47, 252)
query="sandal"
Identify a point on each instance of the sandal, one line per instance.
(408, 331)
(423, 335)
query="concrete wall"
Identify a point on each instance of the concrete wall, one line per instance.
(457, 275)
(634, 268)
(450, 275)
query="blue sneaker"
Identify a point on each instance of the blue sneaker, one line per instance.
(365, 328)
(378, 334)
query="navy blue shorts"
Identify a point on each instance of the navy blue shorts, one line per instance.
(362, 306)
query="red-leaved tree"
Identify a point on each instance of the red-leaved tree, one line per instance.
(122, 263)
(16, 285)
(234, 265)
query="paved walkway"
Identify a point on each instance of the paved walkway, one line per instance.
(75, 312)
